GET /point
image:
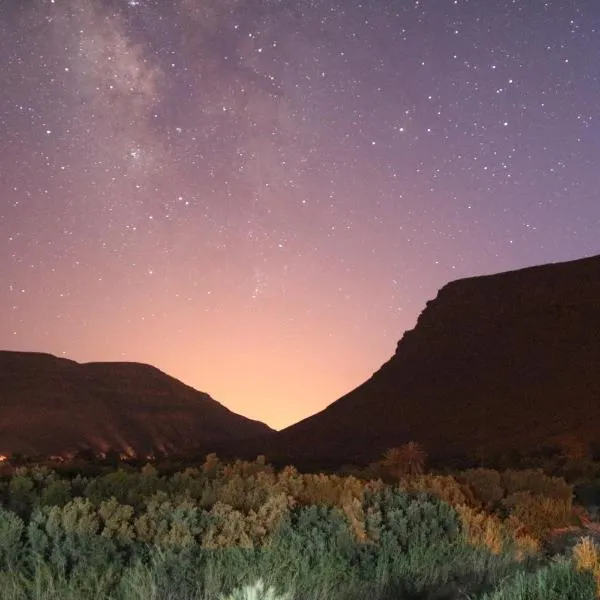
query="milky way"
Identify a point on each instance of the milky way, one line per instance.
(259, 196)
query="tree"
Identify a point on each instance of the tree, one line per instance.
(408, 459)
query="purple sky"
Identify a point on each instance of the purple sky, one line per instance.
(258, 197)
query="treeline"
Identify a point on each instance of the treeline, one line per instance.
(214, 531)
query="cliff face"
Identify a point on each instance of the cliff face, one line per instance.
(51, 405)
(495, 363)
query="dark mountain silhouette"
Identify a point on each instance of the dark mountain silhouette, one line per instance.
(51, 406)
(498, 363)
(495, 363)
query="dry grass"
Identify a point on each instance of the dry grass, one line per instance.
(587, 558)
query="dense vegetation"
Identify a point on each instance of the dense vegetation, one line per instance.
(244, 530)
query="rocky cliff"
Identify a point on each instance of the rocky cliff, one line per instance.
(51, 405)
(495, 363)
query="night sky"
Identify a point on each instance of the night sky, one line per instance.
(259, 196)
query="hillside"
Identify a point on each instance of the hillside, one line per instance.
(51, 405)
(495, 363)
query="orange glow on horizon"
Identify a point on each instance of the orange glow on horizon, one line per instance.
(271, 362)
(263, 217)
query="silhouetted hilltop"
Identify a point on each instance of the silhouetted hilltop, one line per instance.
(51, 405)
(495, 363)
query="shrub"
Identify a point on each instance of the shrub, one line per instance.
(67, 538)
(213, 532)
(486, 485)
(12, 549)
(443, 487)
(587, 558)
(557, 581)
(57, 492)
(313, 552)
(22, 495)
(539, 514)
(411, 540)
(125, 487)
(170, 522)
(481, 529)
(536, 482)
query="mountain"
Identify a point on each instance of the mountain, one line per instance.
(51, 406)
(495, 363)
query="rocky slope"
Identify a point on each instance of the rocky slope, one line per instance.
(495, 363)
(51, 405)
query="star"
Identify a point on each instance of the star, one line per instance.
(284, 186)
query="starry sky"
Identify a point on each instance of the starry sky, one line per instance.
(259, 196)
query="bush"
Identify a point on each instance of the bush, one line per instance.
(536, 482)
(539, 514)
(12, 547)
(68, 540)
(22, 495)
(486, 485)
(587, 558)
(170, 522)
(313, 552)
(412, 539)
(557, 581)
(213, 532)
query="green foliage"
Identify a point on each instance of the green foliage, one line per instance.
(312, 552)
(21, 494)
(116, 519)
(57, 492)
(122, 486)
(557, 581)
(193, 483)
(409, 535)
(213, 532)
(170, 522)
(411, 520)
(67, 538)
(12, 545)
(30, 487)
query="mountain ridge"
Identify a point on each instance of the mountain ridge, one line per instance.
(483, 341)
(55, 405)
(496, 363)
